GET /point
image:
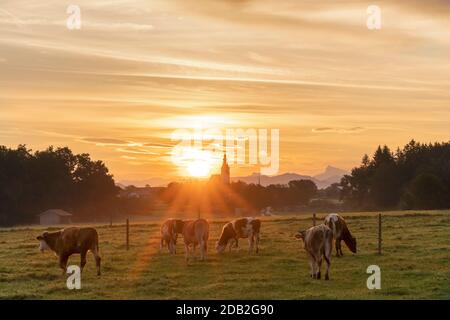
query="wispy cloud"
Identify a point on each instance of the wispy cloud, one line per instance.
(338, 130)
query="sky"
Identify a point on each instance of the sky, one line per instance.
(136, 71)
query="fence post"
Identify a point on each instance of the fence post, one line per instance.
(314, 219)
(379, 233)
(128, 234)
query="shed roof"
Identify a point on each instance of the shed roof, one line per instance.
(58, 212)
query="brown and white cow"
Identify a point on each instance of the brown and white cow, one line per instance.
(196, 233)
(318, 242)
(240, 228)
(340, 230)
(69, 241)
(169, 233)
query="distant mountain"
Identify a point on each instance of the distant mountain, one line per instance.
(329, 176)
(267, 180)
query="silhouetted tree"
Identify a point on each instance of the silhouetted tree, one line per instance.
(52, 178)
(417, 176)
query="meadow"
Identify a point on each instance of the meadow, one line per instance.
(415, 263)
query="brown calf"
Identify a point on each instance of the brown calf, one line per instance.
(169, 233)
(318, 242)
(240, 228)
(69, 241)
(340, 232)
(196, 232)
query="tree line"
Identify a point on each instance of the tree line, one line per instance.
(415, 177)
(32, 182)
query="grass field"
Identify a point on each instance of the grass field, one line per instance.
(415, 264)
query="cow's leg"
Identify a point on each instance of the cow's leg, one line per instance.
(236, 244)
(97, 259)
(327, 260)
(338, 247)
(202, 250)
(257, 242)
(186, 248)
(250, 243)
(175, 243)
(161, 244)
(319, 266)
(327, 257)
(63, 263)
(311, 265)
(82, 259)
(169, 246)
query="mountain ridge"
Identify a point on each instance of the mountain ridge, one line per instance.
(322, 180)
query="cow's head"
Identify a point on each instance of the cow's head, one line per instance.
(300, 235)
(43, 245)
(48, 240)
(227, 234)
(351, 244)
(178, 225)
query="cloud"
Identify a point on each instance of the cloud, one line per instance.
(157, 145)
(338, 130)
(137, 151)
(107, 141)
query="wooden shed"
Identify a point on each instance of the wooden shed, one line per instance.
(55, 216)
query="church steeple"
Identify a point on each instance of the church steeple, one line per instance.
(225, 171)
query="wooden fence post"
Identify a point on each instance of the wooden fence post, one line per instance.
(314, 219)
(128, 234)
(379, 233)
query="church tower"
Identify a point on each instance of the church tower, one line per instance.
(225, 171)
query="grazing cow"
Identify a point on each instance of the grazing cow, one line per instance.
(169, 233)
(318, 242)
(69, 241)
(239, 228)
(340, 232)
(196, 232)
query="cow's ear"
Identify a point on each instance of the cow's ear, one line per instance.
(39, 238)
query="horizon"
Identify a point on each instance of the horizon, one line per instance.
(118, 87)
(143, 182)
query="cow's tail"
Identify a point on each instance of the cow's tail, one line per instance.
(330, 223)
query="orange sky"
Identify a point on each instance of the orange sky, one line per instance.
(138, 70)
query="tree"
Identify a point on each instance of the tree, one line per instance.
(302, 190)
(52, 178)
(417, 176)
(426, 191)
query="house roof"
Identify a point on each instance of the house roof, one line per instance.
(58, 212)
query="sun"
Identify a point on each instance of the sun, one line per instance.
(194, 162)
(198, 169)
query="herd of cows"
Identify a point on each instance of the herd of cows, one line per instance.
(318, 240)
